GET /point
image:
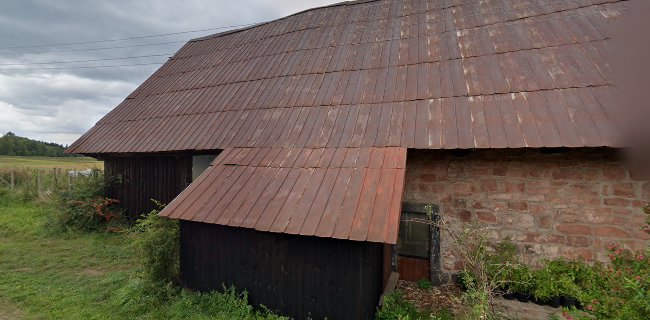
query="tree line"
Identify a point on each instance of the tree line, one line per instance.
(13, 145)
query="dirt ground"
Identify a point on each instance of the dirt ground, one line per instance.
(435, 298)
(449, 297)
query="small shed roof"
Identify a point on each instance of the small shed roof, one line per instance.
(344, 193)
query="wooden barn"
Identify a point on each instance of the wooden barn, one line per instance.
(299, 153)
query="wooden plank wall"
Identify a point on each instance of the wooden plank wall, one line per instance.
(135, 180)
(302, 277)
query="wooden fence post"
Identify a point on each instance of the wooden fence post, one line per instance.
(54, 178)
(12, 180)
(38, 183)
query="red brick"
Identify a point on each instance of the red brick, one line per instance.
(637, 245)
(578, 241)
(612, 232)
(581, 254)
(625, 190)
(617, 202)
(582, 190)
(515, 187)
(489, 185)
(539, 187)
(424, 187)
(462, 187)
(545, 222)
(486, 217)
(538, 209)
(565, 204)
(518, 205)
(645, 191)
(571, 218)
(614, 172)
(567, 174)
(465, 216)
(500, 171)
(573, 228)
(543, 238)
(478, 205)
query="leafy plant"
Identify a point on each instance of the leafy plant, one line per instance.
(394, 307)
(424, 283)
(620, 291)
(521, 279)
(564, 275)
(501, 263)
(546, 287)
(85, 208)
(157, 238)
(471, 243)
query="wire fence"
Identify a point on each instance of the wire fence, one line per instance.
(43, 182)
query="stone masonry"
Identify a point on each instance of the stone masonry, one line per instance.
(564, 202)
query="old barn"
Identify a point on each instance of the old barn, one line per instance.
(298, 153)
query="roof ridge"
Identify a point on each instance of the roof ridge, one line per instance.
(225, 33)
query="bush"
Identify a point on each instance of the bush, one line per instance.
(522, 279)
(396, 308)
(85, 208)
(621, 291)
(157, 239)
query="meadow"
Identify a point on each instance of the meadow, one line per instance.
(64, 163)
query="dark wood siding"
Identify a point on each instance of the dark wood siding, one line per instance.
(135, 180)
(299, 276)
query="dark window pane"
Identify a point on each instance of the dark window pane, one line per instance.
(413, 235)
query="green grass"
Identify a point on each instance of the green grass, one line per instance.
(78, 163)
(45, 275)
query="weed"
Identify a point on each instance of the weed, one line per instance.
(424, 283)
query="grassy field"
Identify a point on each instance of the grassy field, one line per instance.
(57, 277)
(78, 163)
(47, 275)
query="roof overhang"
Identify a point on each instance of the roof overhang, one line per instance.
(343, 193)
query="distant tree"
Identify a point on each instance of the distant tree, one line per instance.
(13, 145)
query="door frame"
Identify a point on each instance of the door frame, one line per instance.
(435, 274)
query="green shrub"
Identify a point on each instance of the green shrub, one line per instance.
(424, 283)
(500, 264)
(521, 279)
(157, 239)
(395, 307)
(546, 287)
(84, 207)
(466, 280)
(620, 291)
(217, 305)
(564, 275)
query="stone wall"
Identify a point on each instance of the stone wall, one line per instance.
(569, 203)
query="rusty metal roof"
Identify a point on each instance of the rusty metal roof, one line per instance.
(344, 193)
(284, 99)
(411, 73)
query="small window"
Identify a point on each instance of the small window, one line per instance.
(200, 164)
(414, 235)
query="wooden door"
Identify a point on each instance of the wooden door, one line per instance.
(414, 242)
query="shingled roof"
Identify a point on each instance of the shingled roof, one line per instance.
(429, 74)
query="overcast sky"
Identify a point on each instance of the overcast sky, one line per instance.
(59, 105)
